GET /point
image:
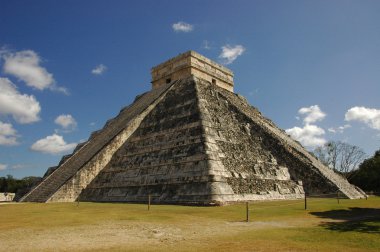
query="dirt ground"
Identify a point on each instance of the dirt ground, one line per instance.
(126, 234)
(100, 227)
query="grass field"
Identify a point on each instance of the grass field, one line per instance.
(351, 225)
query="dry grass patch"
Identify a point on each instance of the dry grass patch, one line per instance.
(352, 225)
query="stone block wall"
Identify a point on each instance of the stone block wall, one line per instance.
(6, 197)
(302, 166)
(250, 169)
(70, 166)
(192, 63)
(189, 142)
(165, 157)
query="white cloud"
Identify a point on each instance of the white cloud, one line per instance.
(182, 27)
(24, 108)
(206, 45)
(230, 53)
(62, 90)
(369, 116)
(25, 65)
(309, 135)
(99, 69)
(3, 167)
(339, 129)
(332, 130)
(54, 144)
(20, 166)
(7, 129)
(66, 122)
(312, 114)
(8, 135)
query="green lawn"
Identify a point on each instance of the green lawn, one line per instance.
(352, 225)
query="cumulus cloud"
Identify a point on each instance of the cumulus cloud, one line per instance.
(54, 144)
(309, 135)
(3, 167)
(369, 116)
(8, 135)
(182, 27)
(23, 108)
(312, 114)
(230, 53)
(339, 129)
(99, 69)
(25, 65)
(66, 122)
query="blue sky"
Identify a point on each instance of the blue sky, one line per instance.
(313, 67)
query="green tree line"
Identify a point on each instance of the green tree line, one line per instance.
(367, 176)
(19, 186)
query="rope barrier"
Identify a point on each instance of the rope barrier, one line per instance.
(309, 197)
(279, 205)
(317, 195)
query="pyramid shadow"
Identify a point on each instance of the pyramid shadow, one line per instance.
(363, 220)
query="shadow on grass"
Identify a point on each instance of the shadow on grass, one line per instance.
(365, 220)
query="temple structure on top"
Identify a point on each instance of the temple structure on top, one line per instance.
(192, 63)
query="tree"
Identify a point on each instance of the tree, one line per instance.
(341, 157)
(350, 158)
(328, 154)
(367, 176)
(19, 186)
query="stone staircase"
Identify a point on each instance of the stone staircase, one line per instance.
(350, 191)
(84, 153)
(153, 117)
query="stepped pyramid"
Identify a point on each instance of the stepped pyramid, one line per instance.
(190, 140)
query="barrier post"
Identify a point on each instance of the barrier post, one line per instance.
(247, 211)
(148, 202)
(337, 197)
(305, 202)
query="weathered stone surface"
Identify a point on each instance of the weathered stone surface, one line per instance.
(69, 167)
(6, 197)
(189, 142)
(192, 64)
(302, 166)
(165, 156)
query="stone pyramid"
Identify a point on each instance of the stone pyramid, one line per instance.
(190, 140)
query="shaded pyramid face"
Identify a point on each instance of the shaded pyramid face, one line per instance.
(189, 142)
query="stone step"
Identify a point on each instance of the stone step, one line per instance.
(97, 141)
